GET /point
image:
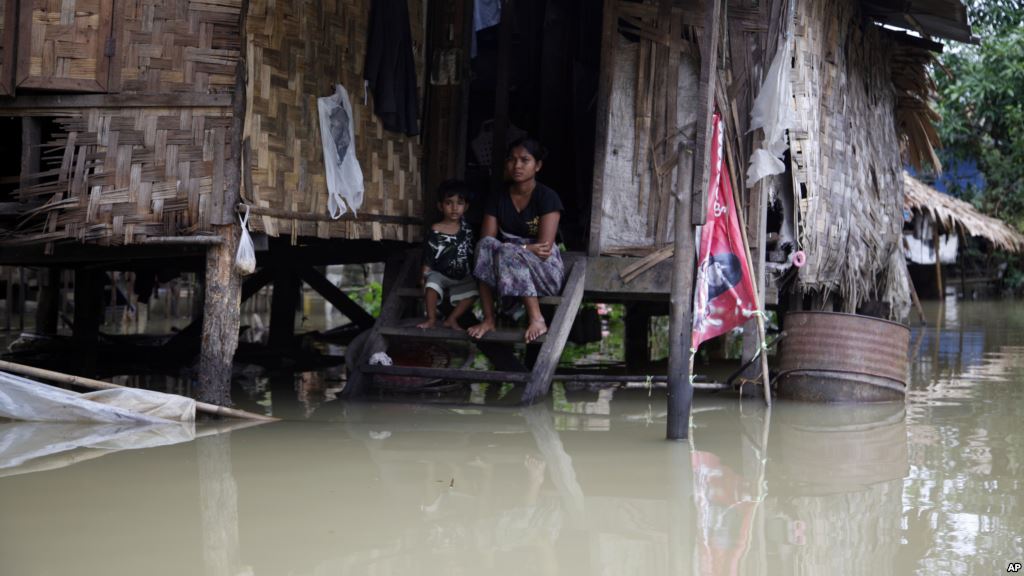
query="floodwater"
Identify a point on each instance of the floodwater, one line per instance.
(583, 485)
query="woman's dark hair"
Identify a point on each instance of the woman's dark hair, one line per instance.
(453, 187)
(532, 145)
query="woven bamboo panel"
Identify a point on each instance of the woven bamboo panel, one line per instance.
(298, 51)
(847, 173)
(125, 174)
(173, 46)
(62, 44)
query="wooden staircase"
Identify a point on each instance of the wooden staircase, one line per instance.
(497, 345)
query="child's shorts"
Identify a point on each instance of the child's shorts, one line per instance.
(458, 290)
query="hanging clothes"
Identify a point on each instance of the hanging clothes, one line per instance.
(337, 135)
(389, 68)
(486, 13)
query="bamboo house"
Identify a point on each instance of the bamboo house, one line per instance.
(147, 126)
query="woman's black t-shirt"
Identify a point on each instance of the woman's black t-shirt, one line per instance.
(525, 224)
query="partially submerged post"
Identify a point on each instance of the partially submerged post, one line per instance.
(223, 294)
(689, 211)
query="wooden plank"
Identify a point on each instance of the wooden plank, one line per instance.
(705, 108)
(602, 132)
(7, 61)
(499, 336)
(182, 100)
(325, 217)
(390, 311)
(335, 296)
(448, 373)
(604, 279)
(551, 351)
(409, 292)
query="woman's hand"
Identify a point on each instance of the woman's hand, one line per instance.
(541, 249)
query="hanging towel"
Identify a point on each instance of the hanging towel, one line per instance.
(389, 68)
(344, 176)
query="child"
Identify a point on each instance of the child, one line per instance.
(446, 257)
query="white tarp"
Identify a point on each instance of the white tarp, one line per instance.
(772, 112)
(24, 399)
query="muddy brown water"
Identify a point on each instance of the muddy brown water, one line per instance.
(585, 484)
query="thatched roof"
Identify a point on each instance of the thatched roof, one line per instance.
(953, 213)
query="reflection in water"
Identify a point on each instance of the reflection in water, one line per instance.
(585, 486)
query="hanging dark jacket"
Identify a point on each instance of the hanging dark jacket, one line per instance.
(390, 68)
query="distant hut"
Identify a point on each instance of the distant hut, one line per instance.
(937, 223)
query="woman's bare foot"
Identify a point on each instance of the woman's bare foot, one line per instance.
(452, 323)
(428, 323)
(535, 329)
(480, 329)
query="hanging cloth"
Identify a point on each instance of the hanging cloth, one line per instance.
(486, 13)
(344, 176)
(389, 68)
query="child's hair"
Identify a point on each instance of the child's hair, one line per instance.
(453, 187)
(532, 145)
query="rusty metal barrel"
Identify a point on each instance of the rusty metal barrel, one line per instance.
(834, 357)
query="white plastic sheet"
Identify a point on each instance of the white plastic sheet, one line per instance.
(337, 134)
(245, 257)
(772, 112)
(24, 399)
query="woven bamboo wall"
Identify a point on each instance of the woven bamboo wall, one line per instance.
(118, 174)
(297, 54)
(847, 173)
(129, 173)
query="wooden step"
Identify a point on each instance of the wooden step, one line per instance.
(449, 373)
(418, 293)
(499, 336)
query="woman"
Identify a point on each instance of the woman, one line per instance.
(517, 255)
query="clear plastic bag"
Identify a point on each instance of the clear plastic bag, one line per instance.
(344, 176)
(772, 112)
(245, 258)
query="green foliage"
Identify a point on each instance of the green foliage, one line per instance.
(980, 90)
(368, 296)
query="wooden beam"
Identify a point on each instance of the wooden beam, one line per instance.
(449, 373)
(256, 281)
(347, 217)
(551, 350)
(498, 336)
(705, 108)
(602, 132)
(56, 101)
(336, 297)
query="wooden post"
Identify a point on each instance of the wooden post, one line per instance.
(223, 285)
(501, 97)
(705, 107)
(48, 302)
(637, 342)
(284, 301)
(680, 390)
(938, 262)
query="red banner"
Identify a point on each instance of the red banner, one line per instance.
(724, 294)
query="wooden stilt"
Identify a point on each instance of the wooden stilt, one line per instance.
(48, 303)
(283, 303)
(88, 307)
(637, 336)
(222, 284)
(938, 262)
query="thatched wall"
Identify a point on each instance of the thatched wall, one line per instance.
(146, 158)
(847, 173)
(298, 51)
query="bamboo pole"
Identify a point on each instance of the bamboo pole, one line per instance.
(757, 300)
(91, 384)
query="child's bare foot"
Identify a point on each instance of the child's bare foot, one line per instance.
(453, 324)
(535, 329)
(428, 323)
(480, 329)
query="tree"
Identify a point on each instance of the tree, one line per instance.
(980, 95)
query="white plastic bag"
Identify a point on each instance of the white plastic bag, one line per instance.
(773, 112)
(245, 258)
(344, 176)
